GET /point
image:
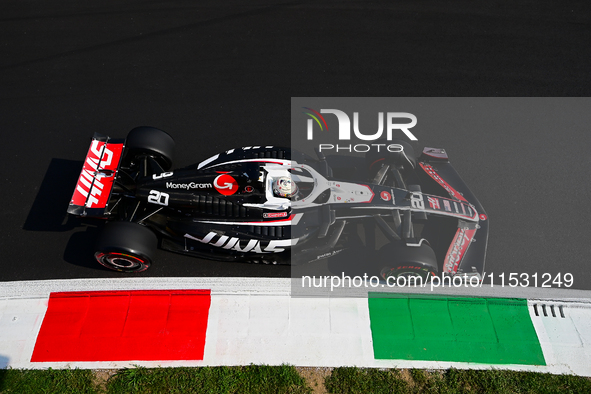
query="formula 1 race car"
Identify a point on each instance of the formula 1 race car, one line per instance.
(273, 205)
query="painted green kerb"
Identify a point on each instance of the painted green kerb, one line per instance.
(439, 328)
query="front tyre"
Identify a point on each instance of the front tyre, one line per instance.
(400, 260)
(126, 247)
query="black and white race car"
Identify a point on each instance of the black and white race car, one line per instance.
(273, 205)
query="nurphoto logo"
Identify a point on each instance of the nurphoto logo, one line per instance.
(394, 125)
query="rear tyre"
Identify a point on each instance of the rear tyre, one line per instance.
(152, 142)
(399, 260)
(126, 247)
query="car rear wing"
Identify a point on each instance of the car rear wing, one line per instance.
(93, 190)
(467, 251)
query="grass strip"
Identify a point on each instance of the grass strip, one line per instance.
(47, 381)
(377, 381)
(285, 379)
(247, 379)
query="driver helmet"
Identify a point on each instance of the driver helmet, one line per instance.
(284, 187)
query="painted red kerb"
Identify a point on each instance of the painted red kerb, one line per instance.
(138, 325)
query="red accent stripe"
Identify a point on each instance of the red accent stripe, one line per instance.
(269, 161)
(457, 250)
(288, 219)
(372, 164)
(280, 220)
(452, 192)
(372, 194)
(124, 326)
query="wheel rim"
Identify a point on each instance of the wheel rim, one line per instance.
(411, 274)
(121, 262)
(407, 274)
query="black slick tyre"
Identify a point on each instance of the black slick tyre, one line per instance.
(126, 247)
(152, 142)
(400, 260)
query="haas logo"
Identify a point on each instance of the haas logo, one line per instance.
(225, 184)
(91, 184)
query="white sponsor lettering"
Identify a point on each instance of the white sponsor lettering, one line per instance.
(107, 155)
(275, 215)
(416, 200)
(163, 175)
(252, 245)
(458, 249)
(91, 178)
(188, 186)
(159, 198)
(329, 254)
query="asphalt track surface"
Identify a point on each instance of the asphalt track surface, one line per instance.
(218, 75)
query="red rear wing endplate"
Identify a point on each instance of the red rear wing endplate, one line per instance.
(93, 190)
